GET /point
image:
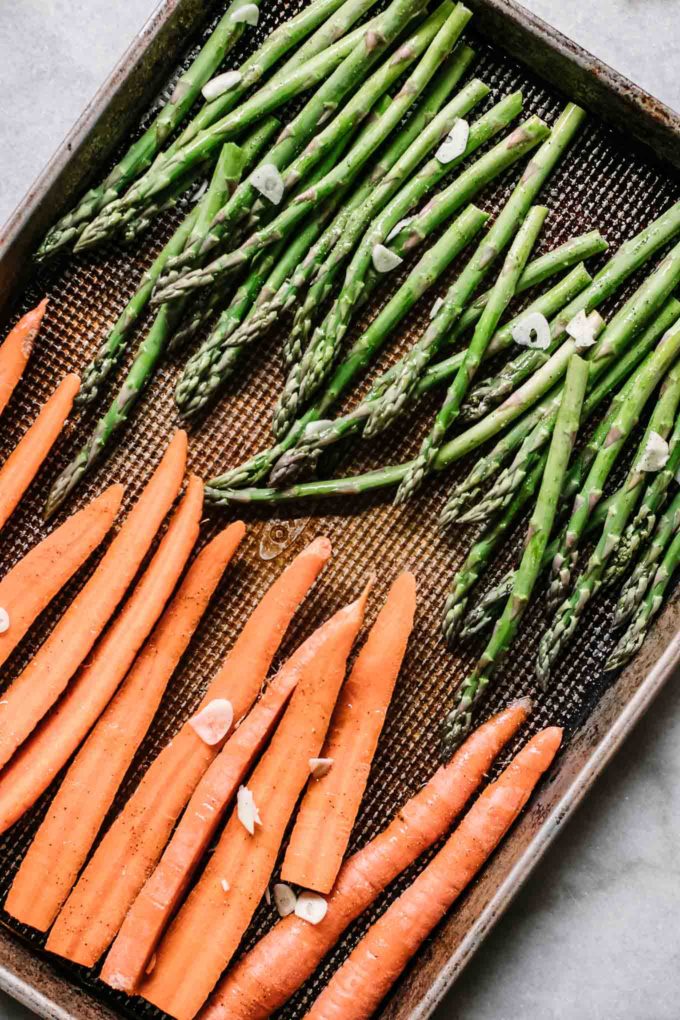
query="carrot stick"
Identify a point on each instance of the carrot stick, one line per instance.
(148, 916)
(37, 688)
(27, 457)
(63, 841)
(55, 740)
(132, 846)
(357, 988)
(243, 860)
(266, 977)
(32, 583)
(331, 803)
(16, 350)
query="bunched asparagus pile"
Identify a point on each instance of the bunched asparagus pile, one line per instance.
(303, 218)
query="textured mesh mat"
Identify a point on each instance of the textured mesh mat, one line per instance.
(602, 182)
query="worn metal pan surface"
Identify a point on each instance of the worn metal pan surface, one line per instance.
(607, 180)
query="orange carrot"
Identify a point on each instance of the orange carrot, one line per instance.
(16, 350)
(357, 988)
(148, 916)
(266, 977)
(27, 457)
(242, 860)
(63, 841)
(33, 582)
(331, 803)
(131, 848)
(49, 748)
(37, 688)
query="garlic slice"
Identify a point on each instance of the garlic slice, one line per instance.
(320, 767)
(584, 328)
(532, 331)
(249, 14)
(246, 809)
(4, 620)
(655, 454)
(311, 907)
(436, 307)
(384, 260)
(455, 143)
(285, 899)
(224, 82)
(398, 227)
(214, 721)
(268, 181)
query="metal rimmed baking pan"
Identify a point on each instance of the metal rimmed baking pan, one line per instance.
(608, 180)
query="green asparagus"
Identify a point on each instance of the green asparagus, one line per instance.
(648, 609)
(637, 585)
(626, 499)
(459, 718)
(501, 296)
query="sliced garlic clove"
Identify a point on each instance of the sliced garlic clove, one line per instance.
(222, 83)
(285, 899)
(249, 14)
(398, 227)
(320, 767)
(214, 721)
(268, 181)
(532, 331)
(455, 143)
(436, 307)
(655, 454)
(311, 907)
(4, 620)
(384, 260)
(246, 809)
(584, 328)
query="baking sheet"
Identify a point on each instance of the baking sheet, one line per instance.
(606, 181)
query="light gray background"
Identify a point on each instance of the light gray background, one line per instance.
(596, 935)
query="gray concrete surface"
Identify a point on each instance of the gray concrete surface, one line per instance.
(595, 935)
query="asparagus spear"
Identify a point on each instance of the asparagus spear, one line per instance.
(221, 489)
(626, 499)
(647, 378)
(627, 321)
(653, 502)
(348, 168)
(234, 161)
(501, 296)
(465, 286)
(307, 376)
(423, 276)
(303, 458)
(225, 177)
(637, 585)
(403, 167)
(141, 153)
(442, 85)
(351, 69)
(648, 609)
(459, 718)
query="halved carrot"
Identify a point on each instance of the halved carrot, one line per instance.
(148, 916)
(27, 457)
(37, 688)
(16, 350)
(266, 977)
(357, 988)
(243, 861)
(63, 841)
(132, 846)
(32, 583)
(331, 803)
(47, 751)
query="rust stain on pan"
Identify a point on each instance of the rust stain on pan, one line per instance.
(607, 182)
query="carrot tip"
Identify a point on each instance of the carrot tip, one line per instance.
(525, 703)
(319, 547)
